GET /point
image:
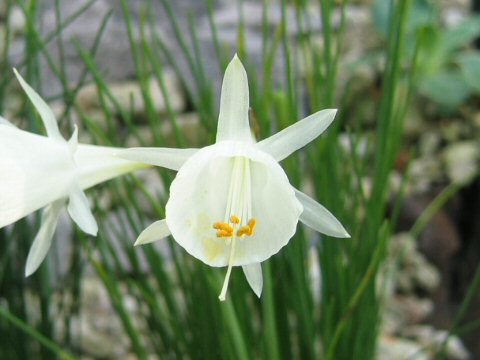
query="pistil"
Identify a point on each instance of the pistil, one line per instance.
(238, 220)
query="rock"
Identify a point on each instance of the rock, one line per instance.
(405, 277)
(423, 172)
(461, 160)
(192, 133)
(475, 119)
(414, 271)
(429, 143)
(394, 348)
(227, 17)
(114, 59)
(414, 123)
(16, 21)
(454, 130)
(439, 240)
(425, 276)
(360, 33)
(314, 274)
(128, 95)
(433, 339)
(101, 333)
(415, 309)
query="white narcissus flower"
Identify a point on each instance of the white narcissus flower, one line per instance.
(231, 203)
(44, 171)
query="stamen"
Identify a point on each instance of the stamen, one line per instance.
(244, 230)
(238, 207)
(247, 229)
(223, 226)
(223, 293)
(235, 219)
(251, 224)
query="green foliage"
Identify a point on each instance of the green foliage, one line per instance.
(177, 313)
(447, 68)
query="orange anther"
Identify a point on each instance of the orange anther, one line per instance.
(235, 219)
(223, 226)
(244, 230)
(251, 224)
(223, 233)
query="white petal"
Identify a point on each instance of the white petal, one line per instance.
(156, 231)
(319, 218)
(164, 157)
(253, 273)
(297, 135)
(43, 239)
(43, 109)
(79, 210)
(198, 198)
(73, 142)
(4, 121)
(233, 115)
(96, 164)
(34, 171)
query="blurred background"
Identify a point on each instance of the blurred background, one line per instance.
(399, 168)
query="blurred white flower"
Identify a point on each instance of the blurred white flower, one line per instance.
(231, 203)
(46, 171)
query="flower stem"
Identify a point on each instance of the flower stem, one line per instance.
(223, 293)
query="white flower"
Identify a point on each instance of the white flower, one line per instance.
(44, 171)
(231, 203)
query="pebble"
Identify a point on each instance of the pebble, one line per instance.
(461, 160)
(128, 95)
(394, 348)
(16, 21)
(433, 339)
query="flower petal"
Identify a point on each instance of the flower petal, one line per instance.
(96, 164)
(253, 273)
(233, 115)
(4, 121)
(73, 141)
(79, 210)
(43, 109)
(34, 171)
(199, 196)
(156, 231)
(296, 136)
(165, 157)
(319, 218)
(43, 239)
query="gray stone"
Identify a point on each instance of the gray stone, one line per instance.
(16, 21)
(189, 127)
(414, 123)
(128, 95)
(461, 160)
(430, 338)
(429, 143)
(101, 333)
(114, 59)
(414, 270)
(394, 348)
(423, 172)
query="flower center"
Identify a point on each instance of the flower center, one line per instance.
(238, 220)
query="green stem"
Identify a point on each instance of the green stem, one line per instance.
(29, 330)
